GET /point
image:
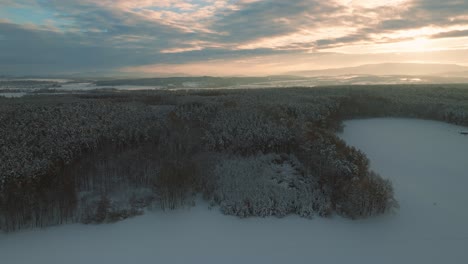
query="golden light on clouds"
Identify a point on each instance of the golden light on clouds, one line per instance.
(419, 32)
(302, 37)
(374, 3)
(212, 37)
(419, 45)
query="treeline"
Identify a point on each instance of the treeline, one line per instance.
(206, 81)
(105, 156)
(448, 103)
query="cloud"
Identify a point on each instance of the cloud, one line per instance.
(33, 50)
(262, 65)
(92, 34)
(273, 18)
(452, 34)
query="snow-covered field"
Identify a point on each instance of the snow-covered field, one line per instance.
(427, 162)
(12, 95)
(70, 87)
(91, 86)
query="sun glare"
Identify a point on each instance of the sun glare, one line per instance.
(421, 44)
(372, 3)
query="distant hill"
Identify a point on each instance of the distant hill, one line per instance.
(383, 69)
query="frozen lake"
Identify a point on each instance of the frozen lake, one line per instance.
(427, 162)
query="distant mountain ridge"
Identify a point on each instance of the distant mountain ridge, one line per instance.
(383, 69)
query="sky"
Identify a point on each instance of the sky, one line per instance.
(226, 37)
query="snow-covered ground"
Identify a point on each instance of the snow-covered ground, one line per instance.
(70, 87)
(12, 95)
(427, 162)
(91, 86)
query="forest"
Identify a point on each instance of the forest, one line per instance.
(103, 156)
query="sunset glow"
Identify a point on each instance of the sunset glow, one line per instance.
(197, 36)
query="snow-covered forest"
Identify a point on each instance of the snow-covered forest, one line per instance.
(104, 156)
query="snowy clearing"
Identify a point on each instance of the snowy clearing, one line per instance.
(426, 161)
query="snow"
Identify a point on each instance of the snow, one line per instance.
(92, 86)
(36, 79)
(73, 87)
(426, 160)
(12, 95)
(85, 86)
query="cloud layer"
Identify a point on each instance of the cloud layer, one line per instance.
(65, 36)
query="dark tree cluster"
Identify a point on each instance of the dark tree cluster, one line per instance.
(102, 156)
(448, 103)
(40, 141)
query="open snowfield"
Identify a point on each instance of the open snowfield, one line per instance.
(427, 162)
